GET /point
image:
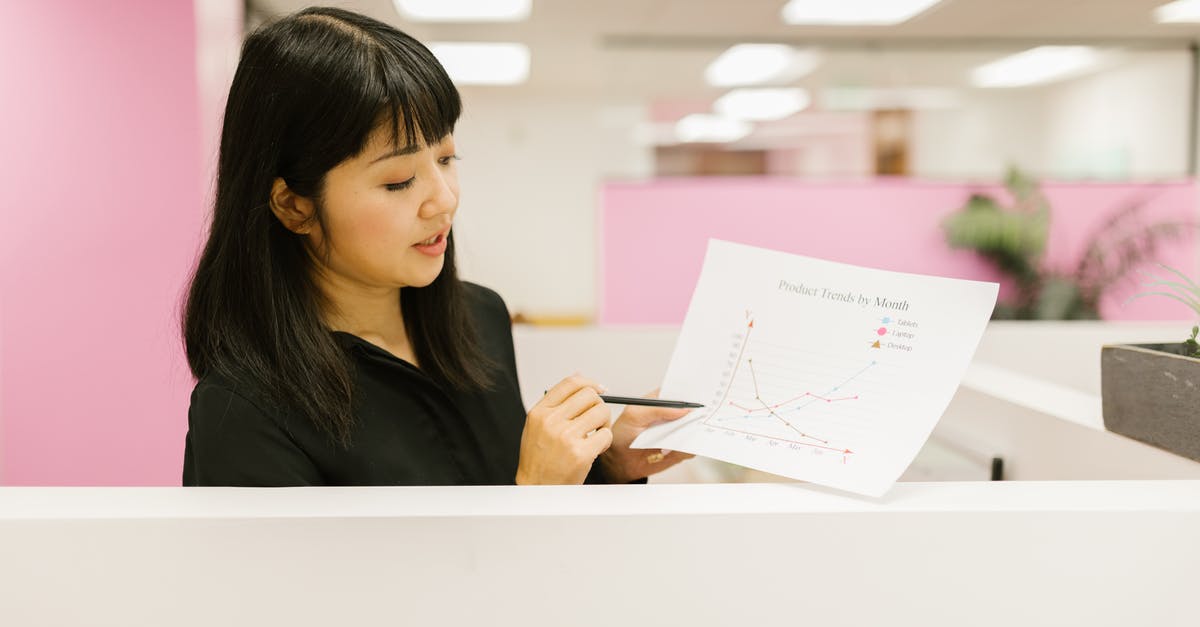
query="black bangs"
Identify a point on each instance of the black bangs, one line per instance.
(355, 75)
(414, 91)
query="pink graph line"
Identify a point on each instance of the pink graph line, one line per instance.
(792, 400)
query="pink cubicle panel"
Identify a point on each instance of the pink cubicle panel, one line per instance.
(653, 234)
(102, 210)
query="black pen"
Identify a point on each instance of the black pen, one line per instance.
(646, 402)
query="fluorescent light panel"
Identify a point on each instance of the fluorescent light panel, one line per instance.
(703, 127)
(1180, 11)
(762, 104)
(853, 12)
(470, 63)
(1044, 64)
(464, 10)
(757, 64)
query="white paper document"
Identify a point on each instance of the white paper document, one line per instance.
(818, 371)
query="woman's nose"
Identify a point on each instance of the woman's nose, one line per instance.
(443, 195)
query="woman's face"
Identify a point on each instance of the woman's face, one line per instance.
(387, 213)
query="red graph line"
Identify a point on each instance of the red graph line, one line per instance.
(792, 400)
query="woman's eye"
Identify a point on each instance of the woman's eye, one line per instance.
(447, 160)
(395, 187)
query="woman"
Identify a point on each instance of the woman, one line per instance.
(332, 340)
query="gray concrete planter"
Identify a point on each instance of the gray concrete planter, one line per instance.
(1151, 393)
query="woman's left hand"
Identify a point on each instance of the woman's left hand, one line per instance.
(623, 464)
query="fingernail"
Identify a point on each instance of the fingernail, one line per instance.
(603, 388)
(666, 451)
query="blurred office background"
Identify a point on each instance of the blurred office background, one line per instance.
(602, 144)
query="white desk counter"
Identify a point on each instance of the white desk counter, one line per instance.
(1010, 553)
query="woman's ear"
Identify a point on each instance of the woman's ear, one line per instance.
(294, 211)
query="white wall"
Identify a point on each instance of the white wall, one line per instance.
(219, 30)
(1130, 121)
(1127, 120)
(530, 176)
(978, 140)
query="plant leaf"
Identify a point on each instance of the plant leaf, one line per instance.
(1190, 304)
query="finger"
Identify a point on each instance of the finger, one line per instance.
(564, 389)
(600, 439)
(670, 460)
(678, 456)
(661, 460)
(650, 416)
(582, 401)
(667, 415)
(594, 418)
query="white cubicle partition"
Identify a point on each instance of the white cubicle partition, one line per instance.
(979, 554)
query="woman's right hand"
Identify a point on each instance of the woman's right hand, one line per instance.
(555, 445)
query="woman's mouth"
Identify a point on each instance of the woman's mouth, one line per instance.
(433, 246)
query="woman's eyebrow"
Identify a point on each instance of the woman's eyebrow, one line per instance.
(399, 152)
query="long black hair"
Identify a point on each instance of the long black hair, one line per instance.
(308, 92)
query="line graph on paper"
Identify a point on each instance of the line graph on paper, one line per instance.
(814, 370)
(806, 398)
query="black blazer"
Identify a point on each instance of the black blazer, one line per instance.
(409, 430)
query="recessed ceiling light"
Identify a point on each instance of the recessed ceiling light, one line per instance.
(853, 12)
(1180, 11)
(1044, 64)
(756, 64)
(762, 104)
(464, 10)
(703, 127)
(472, 63)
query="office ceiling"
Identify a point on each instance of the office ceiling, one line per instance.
(659, 48)
(597, 19)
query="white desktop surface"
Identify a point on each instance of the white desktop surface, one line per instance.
(1007, 553)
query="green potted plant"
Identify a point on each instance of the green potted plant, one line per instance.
(1150, 392)
(1013, 237)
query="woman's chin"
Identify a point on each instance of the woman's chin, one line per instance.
(423, 279)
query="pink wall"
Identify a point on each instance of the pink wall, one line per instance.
(102, 213)
(653, 235)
